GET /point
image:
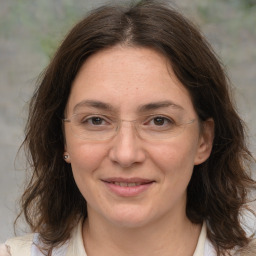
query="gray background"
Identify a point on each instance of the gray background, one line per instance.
(30, 31)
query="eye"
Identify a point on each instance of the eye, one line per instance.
(94, 121)
(91, 120)
(160, 121)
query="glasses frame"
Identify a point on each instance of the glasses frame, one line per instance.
(120, 121)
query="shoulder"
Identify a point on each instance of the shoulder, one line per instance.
(4, 250)
(249, 250)
(29, 245)
(20, 246)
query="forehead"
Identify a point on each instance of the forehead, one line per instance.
(126, 78)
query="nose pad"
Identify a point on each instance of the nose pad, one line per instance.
(127, 123)
(126, 149)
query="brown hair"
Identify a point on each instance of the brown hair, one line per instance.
(217, 192)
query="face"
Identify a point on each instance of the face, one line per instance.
(128, 180)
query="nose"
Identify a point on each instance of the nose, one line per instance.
(127, 149)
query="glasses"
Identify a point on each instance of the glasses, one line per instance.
(101, 127)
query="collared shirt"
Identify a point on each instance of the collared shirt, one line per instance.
(75, 247)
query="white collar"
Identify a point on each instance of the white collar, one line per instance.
(204, 246)
(201, 242)
(76, 246)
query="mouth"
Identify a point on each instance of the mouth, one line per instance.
(128, 184)
(128, 187)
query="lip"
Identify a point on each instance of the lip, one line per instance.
(128, 187)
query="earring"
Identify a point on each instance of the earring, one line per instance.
(65, 157)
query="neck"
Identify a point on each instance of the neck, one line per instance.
(149, 240)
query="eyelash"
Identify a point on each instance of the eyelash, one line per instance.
(87, 119)
(164, 119)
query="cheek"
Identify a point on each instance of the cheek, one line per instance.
(85, 157)
(175, 163)
(174, 154)
(175, 160)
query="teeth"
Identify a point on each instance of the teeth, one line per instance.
(125, 184)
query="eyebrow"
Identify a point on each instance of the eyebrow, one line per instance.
(142, 108)
(94, 104)
(158, 105)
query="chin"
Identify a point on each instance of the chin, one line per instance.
(128, 223)
(130, 218)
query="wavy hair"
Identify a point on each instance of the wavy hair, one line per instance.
(217, 192)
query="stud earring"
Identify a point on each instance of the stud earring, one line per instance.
(65, 157)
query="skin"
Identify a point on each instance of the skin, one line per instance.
(127, 78)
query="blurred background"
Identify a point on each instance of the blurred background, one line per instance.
(30, 32)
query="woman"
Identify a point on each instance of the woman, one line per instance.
(134, 144)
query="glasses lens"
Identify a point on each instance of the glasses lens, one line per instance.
(92, 127)
(160, 133)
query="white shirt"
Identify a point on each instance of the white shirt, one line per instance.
(26, 246)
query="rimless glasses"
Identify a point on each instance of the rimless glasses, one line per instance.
(100, 127)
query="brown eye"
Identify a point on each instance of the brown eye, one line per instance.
(93, 121)
(96, 120)
(159, 121)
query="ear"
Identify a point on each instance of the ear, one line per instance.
(205, 141)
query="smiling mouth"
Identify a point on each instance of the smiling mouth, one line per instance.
(128, 187)
(129, 184)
